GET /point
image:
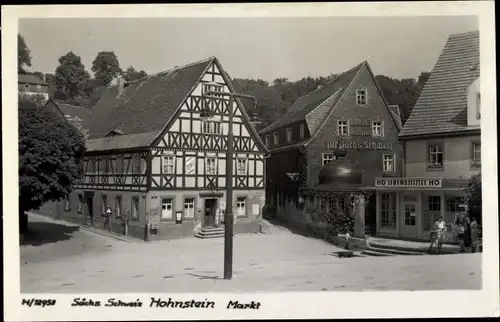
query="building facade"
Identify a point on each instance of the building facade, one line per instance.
(442, 147)
(32, 87)
(155, 162)
(350, 114)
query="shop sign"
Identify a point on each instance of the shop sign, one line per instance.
(365, 145)
(408, 183)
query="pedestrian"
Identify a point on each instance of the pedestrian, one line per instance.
(474, 229)
(441, 226)
(461, 236)
(107, 223)
(434, 235)
(454, 230)
(466, 224)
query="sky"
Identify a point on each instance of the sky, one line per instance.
(265, 48)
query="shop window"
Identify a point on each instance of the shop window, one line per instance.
(135, 208)
(410, 214)
(388, 210)
(453, 203)
(434, 203)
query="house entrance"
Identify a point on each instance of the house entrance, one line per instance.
(210, 212)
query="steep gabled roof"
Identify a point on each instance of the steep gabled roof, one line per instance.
(145, 105)
(73, 111)
(307, 103)
(30, 79)
(442, 105)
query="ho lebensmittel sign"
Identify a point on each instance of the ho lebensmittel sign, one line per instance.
(408, 183)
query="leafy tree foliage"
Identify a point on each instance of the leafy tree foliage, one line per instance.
(106, 67)
(38, 74)
(474, 198)
(132, 74)
(23, 55)
(71, 76)
(50, 153)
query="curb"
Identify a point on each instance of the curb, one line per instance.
(96, 231)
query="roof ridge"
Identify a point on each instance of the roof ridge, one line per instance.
(172, 70)
(461, 34)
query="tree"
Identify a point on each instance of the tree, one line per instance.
(106, 67)
(50, 154)
(474, 197)
(132, 74)
(71, 76)
(23, 55)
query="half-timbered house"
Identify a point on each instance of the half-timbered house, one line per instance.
(348, 113)
(153, 161)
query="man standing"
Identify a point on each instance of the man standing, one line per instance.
(108, 218)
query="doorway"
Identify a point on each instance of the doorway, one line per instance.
(89, 198)
(410, 219)
(210, 212)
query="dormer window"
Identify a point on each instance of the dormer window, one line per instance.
(302, 131)
(275, 138)
(289, 135)
(361, 96)
(268, 140)
(212, 87)
(478, 106)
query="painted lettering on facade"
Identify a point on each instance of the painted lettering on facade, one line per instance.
(366, 145)
(408, 183)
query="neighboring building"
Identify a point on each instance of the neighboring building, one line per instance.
(349, 113)
(32, 86)
(76, 115)
(441, 143)
(151, 158)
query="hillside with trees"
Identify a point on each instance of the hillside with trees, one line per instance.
(72, 84)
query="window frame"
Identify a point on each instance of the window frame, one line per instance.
(133, 199)
(302, 131)
(432, 201)
(440, 150)
(212, 87)
(245, 172)
(215, 165)
(324, 158)
(120, 164)
(388, 216)
(118, 206)
(172, 208)
(364, 97)
(165, 164)
(474, 164)
(267, 139)
(393, 162)
(382, 132)
(289, 134)
(409, 221)
(340, 126)
(276, 139)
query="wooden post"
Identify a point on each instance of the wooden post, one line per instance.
(228, 216)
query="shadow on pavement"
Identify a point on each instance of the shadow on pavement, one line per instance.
(41, 233)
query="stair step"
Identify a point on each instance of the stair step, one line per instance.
(394, 251)
(374, 253)
(209, 236)
(421, 250)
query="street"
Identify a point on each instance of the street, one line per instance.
(71, 260)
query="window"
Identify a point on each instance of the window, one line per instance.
(211, 127)
(389, 162)
(388, 210)
(377, 128)
(302, 131)
(211, 166)
(190, 165)
(435, 156)
(478, 106)
(476, 154)
(135, 208)
(166, 208)
(322, 204)
(361, 96)
(410, 214)
(120, 168)
(91, 166)
(104, 199)
(342, 128)
(453, 203)
(268, 140)
(212, 87)
(289, 135)
(327, 157)
(189, 208)
(241, 167)
(241, 206)
(434, 203)
(118, 206)
(136, 164)
(332, 205)
(79, 207)
(168, 164)
(275, 138)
